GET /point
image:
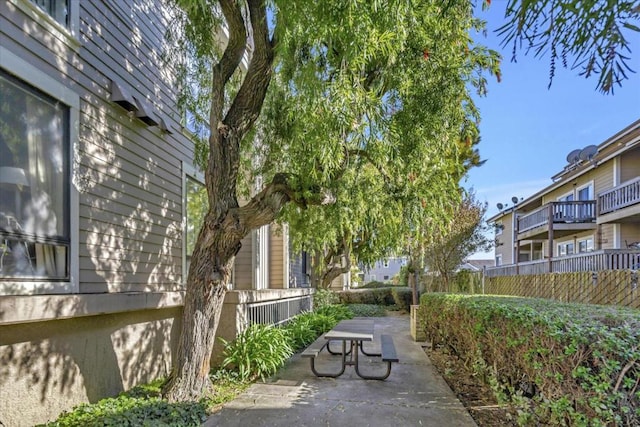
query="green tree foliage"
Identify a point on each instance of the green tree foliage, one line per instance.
(591, 36)
(375, 106)
(446, 248)
(366, 105)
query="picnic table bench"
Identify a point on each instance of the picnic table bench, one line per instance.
(355, 332)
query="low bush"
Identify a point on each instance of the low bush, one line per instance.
(367, 310)
(403, 297)
(378, 296)
(554, 363)
(375, 285)
(140, 406)
(323, 297)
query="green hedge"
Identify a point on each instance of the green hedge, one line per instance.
(554, 363)
(377, 296)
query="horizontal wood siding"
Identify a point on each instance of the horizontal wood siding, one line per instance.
(606, 237)
(504, 240)
(243, 270)
(276, 258)
(629, 233)
(630, 165)
(129, 176)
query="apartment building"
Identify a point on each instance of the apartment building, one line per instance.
(587, 219)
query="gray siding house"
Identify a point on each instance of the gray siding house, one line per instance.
(384, 270)
(95, 172)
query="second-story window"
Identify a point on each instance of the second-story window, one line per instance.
(58, 9)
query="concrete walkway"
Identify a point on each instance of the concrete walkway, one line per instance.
(413, 395)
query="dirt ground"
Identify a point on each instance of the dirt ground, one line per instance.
(475, 396)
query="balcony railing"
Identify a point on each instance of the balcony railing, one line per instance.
(622, 196)
(606, 259)
(561, 212)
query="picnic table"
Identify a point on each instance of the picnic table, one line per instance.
(353, 332)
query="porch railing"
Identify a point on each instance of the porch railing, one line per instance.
(605, 259)
(619, 197)
(561, 212)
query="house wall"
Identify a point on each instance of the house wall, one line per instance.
(243, 266)
(278, 248)
(117, 328)
(504, 240)
(630, 165)
(378, 271)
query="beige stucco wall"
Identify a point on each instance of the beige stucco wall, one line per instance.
(50, 366)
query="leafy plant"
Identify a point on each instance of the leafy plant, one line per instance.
(555, 363)
(257, 352)
(367, 310)
(141, 406)
(324, 297)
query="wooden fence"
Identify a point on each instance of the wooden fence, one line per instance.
(609, 287)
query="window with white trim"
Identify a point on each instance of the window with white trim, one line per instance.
(566, 248)
(57, 9)
(34, 184)
(585, 245)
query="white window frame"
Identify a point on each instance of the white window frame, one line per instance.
(55, 89)
(585, 239)
(588, 185)
(68, 35)
(498, 260)
(499, 228)
(565, 245)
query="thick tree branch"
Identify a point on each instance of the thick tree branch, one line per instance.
(248, 102)
(265, 206)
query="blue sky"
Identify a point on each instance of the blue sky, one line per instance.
(527, 130)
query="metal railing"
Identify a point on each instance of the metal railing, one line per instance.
(619, 197)
(278, 311)
(605, 259)
(561, 212)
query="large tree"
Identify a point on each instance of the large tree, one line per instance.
(353, 87)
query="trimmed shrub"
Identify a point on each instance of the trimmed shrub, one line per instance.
(323, 297)
(554, 363)
(403, 297)
(378, 296)
(367, 310)
(375, 285)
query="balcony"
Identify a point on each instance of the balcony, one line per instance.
(566, 217)
(605, 259)
(621, 203)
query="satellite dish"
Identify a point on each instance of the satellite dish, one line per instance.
(574, 156)
(500, 206)
(588, 152)
(514, 199)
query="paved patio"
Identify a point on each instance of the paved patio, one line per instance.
(413, 395)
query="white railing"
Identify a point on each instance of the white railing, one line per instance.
(619, 197)
(605, 259)
(561, 212)
(279, 311)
